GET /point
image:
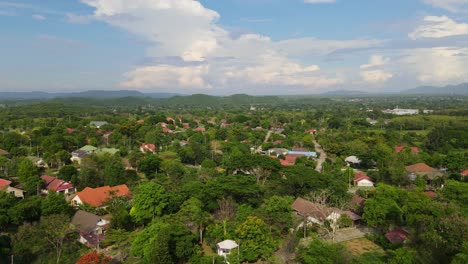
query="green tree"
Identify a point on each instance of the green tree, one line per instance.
(29, 176)
(68, 172)
(55, 203)
(318, 252)
(149, 202)
(159, 251)
(150, 165)
(255, 239)
(278, 212)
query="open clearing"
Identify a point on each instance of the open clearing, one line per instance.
(361, 245)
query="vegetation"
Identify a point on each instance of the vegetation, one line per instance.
(211, 177)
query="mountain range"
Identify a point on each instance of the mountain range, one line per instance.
(103, 94)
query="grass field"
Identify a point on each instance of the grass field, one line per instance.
(362, 245)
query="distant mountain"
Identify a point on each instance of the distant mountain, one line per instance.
(449, 89)
(98, 94)
(344, 92)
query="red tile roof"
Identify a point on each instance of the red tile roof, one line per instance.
(4, 152)
(70, 130)
(97, 196)
(419, 167)
(361, 176)
(399, 148)
(397, 235)
(200, 129)
(415, 149)
(464, 173)
(4, 183)
(55, 184)
(431, 194)
(150, 147)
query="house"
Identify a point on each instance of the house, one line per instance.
(422, 169)
(225, 247)
(400, 148)
(277, 151)
(288, 160)
(145, 147)
(127, 164)
(311, 131)
(318, 214)
(362, 180)
(302, 152)
(98, 124)
(57, 185)
(186, 125)
(91, 227)
(16, 191)
(430, 194)
(200, 129)
(40, 163)
(79, 154)
(70, 130)
(397, 235)
(464, 173)
(98, 196)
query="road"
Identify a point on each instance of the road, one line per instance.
(267, 137)
(322, 156)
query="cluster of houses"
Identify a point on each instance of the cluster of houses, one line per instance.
(288, 157)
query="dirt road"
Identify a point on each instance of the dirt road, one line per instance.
(322, 156)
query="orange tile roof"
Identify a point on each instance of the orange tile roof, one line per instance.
(97, 196)
(361, 176)
(464, 173)
(419, 167)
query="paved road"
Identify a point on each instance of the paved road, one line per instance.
(322, 155)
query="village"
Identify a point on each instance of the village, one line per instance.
(120, 176)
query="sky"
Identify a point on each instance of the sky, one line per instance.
(226, 47)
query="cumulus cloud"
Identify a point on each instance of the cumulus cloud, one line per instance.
(450, 5)
(376, 76)
(188, 30)
(439, 27)
(374, 61)
(440, 65)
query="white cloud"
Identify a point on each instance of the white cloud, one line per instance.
(374, 61)
(439, 27)
(39, 17)
(319, 1)
(168, 76)
(186, 29)
(450, 5)
(376, 76)
(441, 65)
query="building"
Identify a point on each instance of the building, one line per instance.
(91, 228)
(401, 148)
(97, 197)
(4, 153)
(225, 247)
(397, 235)
(398, 111)
(422, 169)
(318, 214)
(146, 147)
(79, 154)
(57, 185)
(362, 180)
(17, 191)
(98, 124)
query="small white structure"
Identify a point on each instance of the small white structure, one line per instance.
(352, 160)
(225, 247)
(399, 111)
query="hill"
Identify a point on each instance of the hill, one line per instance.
(449, 89)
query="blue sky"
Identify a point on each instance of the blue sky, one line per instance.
(232, 46)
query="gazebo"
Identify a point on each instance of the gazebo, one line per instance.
(225, 247)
